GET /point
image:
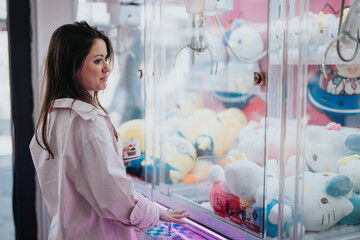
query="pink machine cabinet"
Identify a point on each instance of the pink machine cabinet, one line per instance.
(247, 113)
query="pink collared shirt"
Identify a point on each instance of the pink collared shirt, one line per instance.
(85, 187)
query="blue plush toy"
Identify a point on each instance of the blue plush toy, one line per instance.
(272, 215)
(350, 165)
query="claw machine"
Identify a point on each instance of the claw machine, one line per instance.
(252, 115)
(206, 79)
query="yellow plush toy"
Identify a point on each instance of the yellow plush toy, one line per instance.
(134, 129)
(218, 135)
(189, 103)
(180, 157)
(193, 124)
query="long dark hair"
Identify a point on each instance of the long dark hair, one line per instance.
(69, 45)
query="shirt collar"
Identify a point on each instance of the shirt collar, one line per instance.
(85, 110)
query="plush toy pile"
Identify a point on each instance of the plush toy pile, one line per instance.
(319, 31)
(190, 134)
(328, 189)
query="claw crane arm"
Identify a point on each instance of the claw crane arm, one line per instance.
(348, 31)
(198, 41)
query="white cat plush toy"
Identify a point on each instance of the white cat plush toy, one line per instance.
(247, 43)
(325, 200)
(323, 148)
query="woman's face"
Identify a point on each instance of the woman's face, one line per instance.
(93, 74)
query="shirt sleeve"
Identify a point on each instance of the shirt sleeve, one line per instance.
(103, 182)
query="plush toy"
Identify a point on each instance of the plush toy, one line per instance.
(324, 32)
(180, 157)
(227, 197)
(354, 217)
(272, 215)
(217, 136)
(324, 146)
(251, 141)
(172, 124)
(134, 129)
(243, 181)
(194, 123)
(352, 142)
(188, 103)
(325, 199)
(294, 38)
(350, 166)
(224, 203)
(247, 44)
(199, 172)
(243, 178)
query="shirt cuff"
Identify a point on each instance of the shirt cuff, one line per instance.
(145, 214)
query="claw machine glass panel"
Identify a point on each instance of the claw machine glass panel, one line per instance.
(206, 95)
(317, 111)
(124, 97)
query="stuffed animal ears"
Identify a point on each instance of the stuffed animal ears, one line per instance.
(237, 23)
(339, 185)
(352, 142)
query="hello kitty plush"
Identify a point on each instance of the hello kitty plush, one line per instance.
(323, 148)
(324, 31)
(325, 199)
(251, 141)
(352, 142)
(350, 166)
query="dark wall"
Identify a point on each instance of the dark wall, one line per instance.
(19, 32)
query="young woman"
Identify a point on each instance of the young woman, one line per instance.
(76, 151)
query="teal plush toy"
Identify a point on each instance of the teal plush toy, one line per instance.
(350, 166)
(354, 217)
(352, 142)
(272, 215)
